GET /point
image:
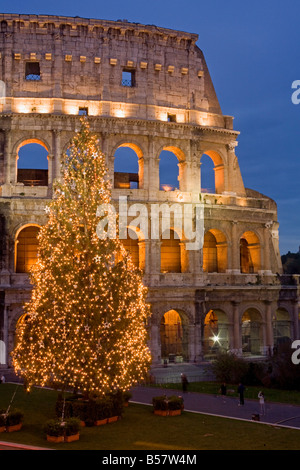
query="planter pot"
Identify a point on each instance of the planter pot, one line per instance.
(100, 422)
(2, 429)
(174, 412)
(55, 438)
(15, 427)
(73, 437)
(82, 424)
(161, 412)
(113, 419)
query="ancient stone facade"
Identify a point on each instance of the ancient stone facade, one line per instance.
(147, 89)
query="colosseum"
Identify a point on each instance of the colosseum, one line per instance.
(148, 94)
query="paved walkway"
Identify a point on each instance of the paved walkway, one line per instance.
(275, 413)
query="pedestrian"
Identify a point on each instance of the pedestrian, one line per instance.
(223, 389)
(184, 382)
(261, 397)
(241, 390)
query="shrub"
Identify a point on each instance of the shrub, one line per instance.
(54, 428)
(160, 403)
(229, 368)
(126, 396)
(175, 403)
(80, 410)
(14, 417)
(72, 426)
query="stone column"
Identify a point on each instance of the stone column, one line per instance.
(269, 326)
(155, 344)
(50, 159)
(266, 258)
(236, 328)
(235, 250)
(296, 320)
(56, 168)
(184, 171)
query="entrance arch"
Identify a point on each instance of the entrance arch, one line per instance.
(215, 332)
(249, 253)
(174, 336)
(32, 163)
(282, 329)
(252, 332)
(26, 248)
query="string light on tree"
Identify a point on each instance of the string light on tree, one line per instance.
(87, 317)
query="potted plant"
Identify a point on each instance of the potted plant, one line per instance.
(102, 410)
(54, 431)
(175, 405)
(160, 405)
(71, 428)
(80, 411)
(14, 420)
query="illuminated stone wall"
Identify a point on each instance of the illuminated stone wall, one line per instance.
(54, 68)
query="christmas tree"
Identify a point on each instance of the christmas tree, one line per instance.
(86, 326)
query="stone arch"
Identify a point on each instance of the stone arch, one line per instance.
(215, 332)
(174, 335)
(125, 179)
(170, 252)
(26, 247)
(36, 173)
(250, 252)
(219, 169)
(172, 161)
(281, 322)
(252, 332)
(135, 245)
(215, 251)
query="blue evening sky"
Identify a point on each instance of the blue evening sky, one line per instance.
(252, 50)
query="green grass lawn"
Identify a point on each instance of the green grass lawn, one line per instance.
(140, 429)
(271, 394)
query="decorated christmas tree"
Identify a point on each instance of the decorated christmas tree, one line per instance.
(86, 326)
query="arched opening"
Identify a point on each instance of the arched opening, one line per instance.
(168, 171)
(212, 172)
(252, 334)
(170, 253)
(32, 163)
(131, 244)
(207, 175)
(214, 252)
(249, 253)
(26, 248)
(215, 333)
(128, 167)
(282, 329)
(174, 336)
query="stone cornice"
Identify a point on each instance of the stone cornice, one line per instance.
(25, 21)
(110, 123)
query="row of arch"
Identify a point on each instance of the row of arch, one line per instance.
(32, 167)
(173, 257)
(217, 335)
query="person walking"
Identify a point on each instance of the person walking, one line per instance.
(261, 398)
(184, 382)
(241, 390)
